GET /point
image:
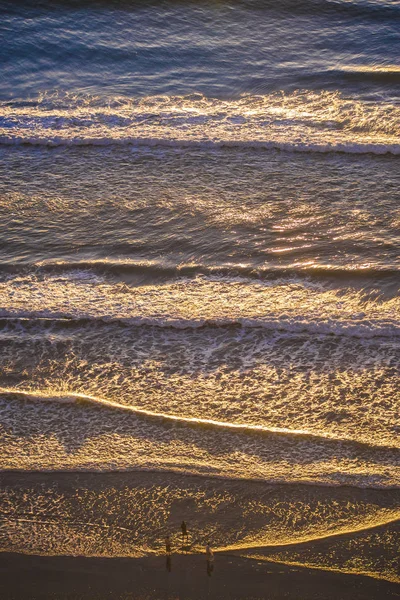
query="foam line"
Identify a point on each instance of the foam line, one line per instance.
(321, 122)
(307, 565)
(394, 516)
(240, 427)
(385, 328)
(309, 147)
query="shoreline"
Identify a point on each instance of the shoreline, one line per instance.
(114, 519)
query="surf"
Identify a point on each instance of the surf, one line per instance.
(79, 398)
(205, 301)
(102, 437)
(303, 121)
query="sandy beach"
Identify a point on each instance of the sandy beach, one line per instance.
(94, 536)
(43, 578)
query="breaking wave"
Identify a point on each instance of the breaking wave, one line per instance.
(300, 122)
(213, 301)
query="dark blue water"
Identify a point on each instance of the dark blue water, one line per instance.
(219, 49)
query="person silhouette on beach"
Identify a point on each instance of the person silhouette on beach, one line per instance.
(209, 559)
(184, 532)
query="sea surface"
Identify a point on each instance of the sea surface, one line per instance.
(199, 277)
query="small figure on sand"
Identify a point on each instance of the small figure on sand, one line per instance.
(184, 532)
(210, 559)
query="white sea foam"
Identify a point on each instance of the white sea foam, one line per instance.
(330, 386)
(78, 397)
(286, 305)
(301, 122)
(83, 437)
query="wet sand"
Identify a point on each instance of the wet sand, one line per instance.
(25, 577)
(87, 536)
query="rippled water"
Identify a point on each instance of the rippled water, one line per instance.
(199, 275)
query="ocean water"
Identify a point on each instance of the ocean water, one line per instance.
(199, 278)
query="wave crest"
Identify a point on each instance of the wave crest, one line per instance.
(303, 121)
(294, 306)
(287, 304)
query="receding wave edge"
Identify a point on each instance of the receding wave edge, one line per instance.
(79, 397)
